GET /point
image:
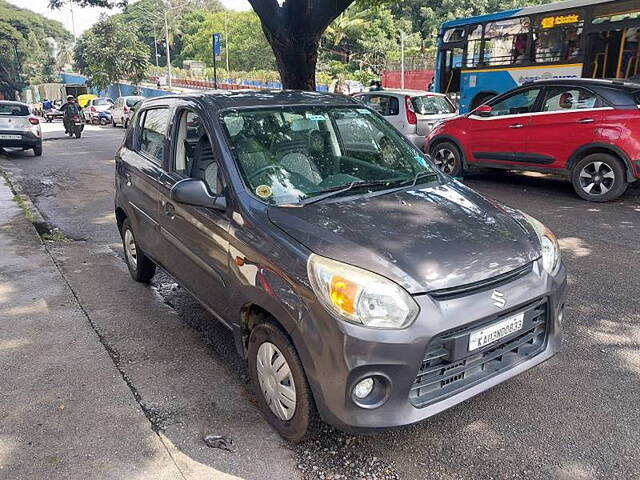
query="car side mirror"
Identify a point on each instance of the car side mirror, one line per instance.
(193, 191)
(483, 111)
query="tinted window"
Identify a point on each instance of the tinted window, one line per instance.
(432, 105)
(383, 104)
(558, 99)
(518, 103)
(153, 132)
(132, 101)
(14, 110)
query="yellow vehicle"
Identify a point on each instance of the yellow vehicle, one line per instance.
(84, 99)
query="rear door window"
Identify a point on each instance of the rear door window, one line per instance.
(386, 106)
(152, 133)
(560, 99)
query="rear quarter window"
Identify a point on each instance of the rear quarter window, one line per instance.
(637, 97)
(14, 110)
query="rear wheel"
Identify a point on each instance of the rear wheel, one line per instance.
(447, 157)
(284, 396)
(37, 150)
(599, 177)
(141, 267)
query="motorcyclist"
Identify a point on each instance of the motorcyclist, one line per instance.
(69, 110)
(47, 105)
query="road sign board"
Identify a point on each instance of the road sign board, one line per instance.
(216, 46)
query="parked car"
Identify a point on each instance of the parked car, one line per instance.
(93, 108)
(413, 112)
(585, 129)
(123, 110)
(360, 282)
(19, 127)
(103, 118)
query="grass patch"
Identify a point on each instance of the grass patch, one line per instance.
(54, 235)
(24, 207)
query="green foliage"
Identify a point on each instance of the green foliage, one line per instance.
(248, 47)
(111, 51)
(25, 48)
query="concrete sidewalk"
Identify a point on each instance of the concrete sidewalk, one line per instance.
(65, 410)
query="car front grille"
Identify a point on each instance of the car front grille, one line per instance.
(448, 367)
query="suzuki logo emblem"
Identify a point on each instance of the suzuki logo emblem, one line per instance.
(498, 299)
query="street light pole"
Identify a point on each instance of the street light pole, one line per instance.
(166, 36)
(155, 44)
(402, 59)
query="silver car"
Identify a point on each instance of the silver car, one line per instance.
(123, 109)
(412, 112)
(19, 127)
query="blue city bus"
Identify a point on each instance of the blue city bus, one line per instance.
(480, 57)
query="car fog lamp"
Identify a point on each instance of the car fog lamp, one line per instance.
(363, 388)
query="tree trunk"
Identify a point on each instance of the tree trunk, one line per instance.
(296, 59)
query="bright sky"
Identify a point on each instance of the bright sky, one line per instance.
(85, 17)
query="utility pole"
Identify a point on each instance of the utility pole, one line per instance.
(73, 20)
(226, 40)
(401, 59)
(166, 36)
(155, 44)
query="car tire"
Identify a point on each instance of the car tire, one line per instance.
(125, 124)
(447, 158)
(297, 425)
(141, 267)
(113, 123)
(599, 177)
(37, 150)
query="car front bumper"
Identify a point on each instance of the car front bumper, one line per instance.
(336, 355)
(27, 139)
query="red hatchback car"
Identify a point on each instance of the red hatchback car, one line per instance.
(586, 129)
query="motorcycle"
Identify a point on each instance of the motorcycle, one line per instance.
(75, 126)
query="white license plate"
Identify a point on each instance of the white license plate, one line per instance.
(10, 137)
(496, 331)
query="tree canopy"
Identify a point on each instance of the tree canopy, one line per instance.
(27, 42)
(111, 51)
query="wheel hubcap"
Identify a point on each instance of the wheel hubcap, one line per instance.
(445, 160)
(597, 178)
(276, 381)
(130, 248)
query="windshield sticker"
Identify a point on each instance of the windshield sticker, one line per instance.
(316, 118)
(263, 191)
(421, 160)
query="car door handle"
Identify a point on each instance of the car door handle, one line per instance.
(585, 120)
(516, 125)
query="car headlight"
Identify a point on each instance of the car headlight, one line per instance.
(548, 242)
(359, 296)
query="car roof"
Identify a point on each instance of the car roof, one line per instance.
(590, 82)
(224, 99)
(13, 102)
(398, 91)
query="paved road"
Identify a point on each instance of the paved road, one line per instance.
(574, 417)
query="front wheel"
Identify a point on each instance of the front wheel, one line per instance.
(141, 267)
(447, 158)
(599, 177)
(284, 396)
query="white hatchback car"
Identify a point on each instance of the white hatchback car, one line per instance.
(122, 110)
(412, 112)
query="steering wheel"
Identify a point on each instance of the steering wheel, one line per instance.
(261, 170)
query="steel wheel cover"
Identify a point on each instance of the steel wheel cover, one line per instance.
(597, 178)
(276, 381)
(445, 160)
(130, 249)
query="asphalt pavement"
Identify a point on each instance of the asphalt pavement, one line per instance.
(574, 417)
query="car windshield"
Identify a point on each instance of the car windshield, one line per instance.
(293, 154)
(14, 110)
(101, 102)
(432, 105)
(132, 101)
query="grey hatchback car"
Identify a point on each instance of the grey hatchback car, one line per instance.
(363, 286)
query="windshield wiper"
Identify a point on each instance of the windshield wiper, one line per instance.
(333, 191)
(417, 176)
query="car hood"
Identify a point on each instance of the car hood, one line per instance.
(424, 239)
